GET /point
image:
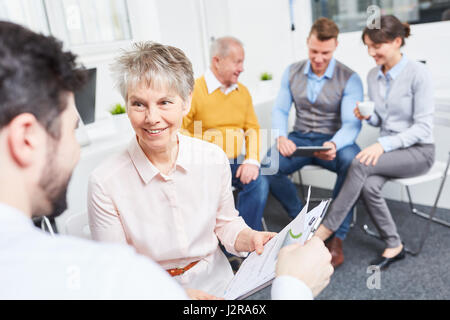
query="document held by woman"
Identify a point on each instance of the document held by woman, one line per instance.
(258, 271)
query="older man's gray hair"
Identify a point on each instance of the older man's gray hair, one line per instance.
(221, 46)
(156, 66)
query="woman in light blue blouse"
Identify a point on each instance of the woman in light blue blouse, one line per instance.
(403, 96)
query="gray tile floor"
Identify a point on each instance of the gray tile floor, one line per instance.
(426, 276)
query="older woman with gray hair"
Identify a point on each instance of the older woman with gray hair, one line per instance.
(169, 195)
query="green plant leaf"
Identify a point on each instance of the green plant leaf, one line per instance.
(266, 76)
(117, 109)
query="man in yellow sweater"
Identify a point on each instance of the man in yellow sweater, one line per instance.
(222, 113)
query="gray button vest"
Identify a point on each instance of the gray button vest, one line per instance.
(324, 115)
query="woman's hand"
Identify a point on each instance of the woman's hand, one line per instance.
(370, 155)
(249, 240)
(358, 114)
(200, 295)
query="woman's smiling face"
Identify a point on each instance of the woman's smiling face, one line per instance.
(382, 53)
(156, 115)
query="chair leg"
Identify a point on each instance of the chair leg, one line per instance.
(371, 233)
(430, 216)
(434, 208)
(355, 216)
(424, 215)
(367, 230)
(46, 224)
(374, 234)
(264, 224)
(300, 181)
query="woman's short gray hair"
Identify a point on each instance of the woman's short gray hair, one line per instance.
(155, 65)
(221, 46)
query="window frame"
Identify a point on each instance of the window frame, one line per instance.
(57, 27)
(313, 5)
(41, 24)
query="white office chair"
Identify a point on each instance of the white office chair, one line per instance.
(439, 171)
(77, 225)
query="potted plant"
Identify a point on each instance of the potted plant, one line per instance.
(265, 85)
(117, 109)
(265, 76)
(119, 113)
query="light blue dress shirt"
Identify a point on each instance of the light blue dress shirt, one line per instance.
(353, 93)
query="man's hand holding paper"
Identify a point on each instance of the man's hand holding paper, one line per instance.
(316, 273)
(258, 271)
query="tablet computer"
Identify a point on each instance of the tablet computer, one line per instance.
(308, 151)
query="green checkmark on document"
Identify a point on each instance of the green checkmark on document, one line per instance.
(295, 236)
(291, 238)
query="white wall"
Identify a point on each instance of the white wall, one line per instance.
(180, 26)
(264, 28)
(145, 25)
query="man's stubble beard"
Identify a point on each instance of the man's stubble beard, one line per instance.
(53, 187)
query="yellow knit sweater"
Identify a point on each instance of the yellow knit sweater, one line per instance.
(224, 120)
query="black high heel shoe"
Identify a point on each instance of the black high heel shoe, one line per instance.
(383, 263)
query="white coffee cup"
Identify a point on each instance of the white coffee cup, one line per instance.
(366, 108)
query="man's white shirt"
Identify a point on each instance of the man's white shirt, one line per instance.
(212, 83)
(34, 265)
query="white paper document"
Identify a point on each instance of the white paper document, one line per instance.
(258, 271)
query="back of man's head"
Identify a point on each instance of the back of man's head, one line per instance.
(324, 29)
(35, 76)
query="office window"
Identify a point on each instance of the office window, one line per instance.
(82, 22)
(29, 13)
(351, 15)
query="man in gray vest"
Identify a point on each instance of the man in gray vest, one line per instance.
(324, 92)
